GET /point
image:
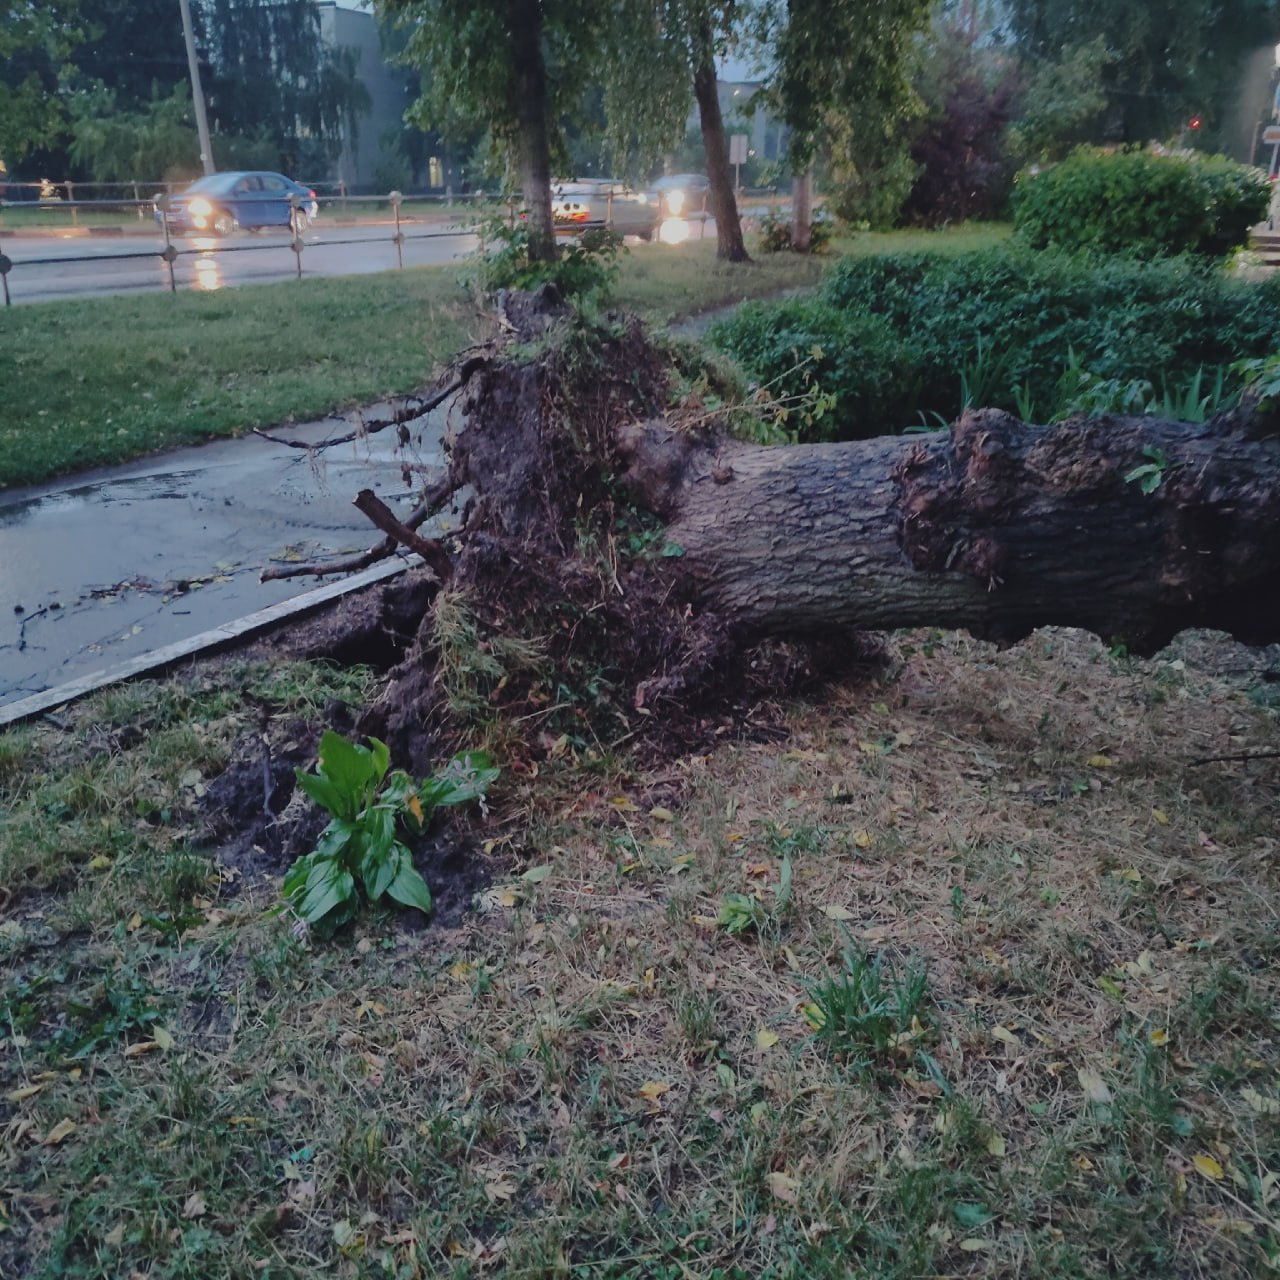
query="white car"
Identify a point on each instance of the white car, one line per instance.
(604, 203)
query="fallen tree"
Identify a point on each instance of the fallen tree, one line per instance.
(613, 521)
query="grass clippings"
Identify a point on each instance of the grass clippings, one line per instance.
(590, 1075)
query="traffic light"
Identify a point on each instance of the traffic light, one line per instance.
(1194, 123)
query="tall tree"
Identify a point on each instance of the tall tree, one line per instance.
(273, 76)
(1169, 60)
(35, 40)
(518, 67)
(842, 74)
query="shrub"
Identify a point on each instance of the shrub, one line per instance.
(585, 265)
(905, 339)
(359, 850)
(775, 232)
(1141, 203)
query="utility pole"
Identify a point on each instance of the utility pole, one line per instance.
(197, 93)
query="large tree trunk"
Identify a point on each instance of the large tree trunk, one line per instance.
(994, 526)
(529, 89)
(802, 210)
(652, 556)
(729, 242)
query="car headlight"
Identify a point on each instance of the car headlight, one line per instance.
(200, 207)
(675, 202)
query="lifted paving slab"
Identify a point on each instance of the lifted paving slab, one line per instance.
(109, 568)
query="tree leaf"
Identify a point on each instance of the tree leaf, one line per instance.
(1095, 1088)
(409, 888)
(1208, 1167)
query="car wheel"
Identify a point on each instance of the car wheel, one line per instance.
(224, 224)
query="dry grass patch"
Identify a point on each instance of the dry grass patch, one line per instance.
(1002, 1003)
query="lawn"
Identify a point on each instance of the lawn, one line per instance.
(966, 969)
(963, 965)
(104, 380)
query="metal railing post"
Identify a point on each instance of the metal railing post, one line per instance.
(6, 263)
(168, 253)
(71, 200)
(396, 197)
(297, 237)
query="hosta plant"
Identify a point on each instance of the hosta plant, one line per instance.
(359, 854)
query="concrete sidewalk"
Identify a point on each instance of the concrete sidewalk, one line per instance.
(100, 568)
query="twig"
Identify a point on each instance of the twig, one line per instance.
(432, 501)
(415, 407)
(318, 568)
(1238, 755)
(431, 550)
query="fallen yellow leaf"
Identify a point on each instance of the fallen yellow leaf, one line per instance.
(784, 1187)
(1160, 816)
(862, 839)
(195, 1206)
(1005, 1036)
(60, 1131)
(1094, 1086)
(834, 912)
(1263, 1106)
(1101, 761)
(100, 863)
(995, 1145)
(1207, 1167)
(27, 1091)
(653, 1089)
(662, 815)
(766, 1039)
(137, 1049)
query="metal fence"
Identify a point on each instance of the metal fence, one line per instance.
(114, 212)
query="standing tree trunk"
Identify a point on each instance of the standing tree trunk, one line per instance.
(729, 243)
(529, 104)
(801, 210)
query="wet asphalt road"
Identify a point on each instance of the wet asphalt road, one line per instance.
(116, 563)
(47, 268)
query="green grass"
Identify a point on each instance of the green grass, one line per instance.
(97, 381)
(591, 1078)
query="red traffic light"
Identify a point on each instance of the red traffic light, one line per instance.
(1194, 122)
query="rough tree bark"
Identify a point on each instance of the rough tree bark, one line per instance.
(529, 105)
(994, 525)
(729, 243)
(802, 210)
(612, 524)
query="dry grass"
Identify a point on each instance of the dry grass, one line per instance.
(592, 1078)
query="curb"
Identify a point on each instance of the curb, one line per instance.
(204, 642)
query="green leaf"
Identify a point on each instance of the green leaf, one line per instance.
(332, 888)
(325, 793)
(410, 888)
(971, 1215)
(379, 871)
(466, 777)
(350, 768)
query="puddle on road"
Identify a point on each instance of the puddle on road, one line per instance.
(131, 489)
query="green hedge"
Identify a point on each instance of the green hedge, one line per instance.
(1141, 203)
(905, 340)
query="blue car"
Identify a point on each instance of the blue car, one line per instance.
(224, 202)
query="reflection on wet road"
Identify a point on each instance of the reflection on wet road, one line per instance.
(120, 562)
(45, 269)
